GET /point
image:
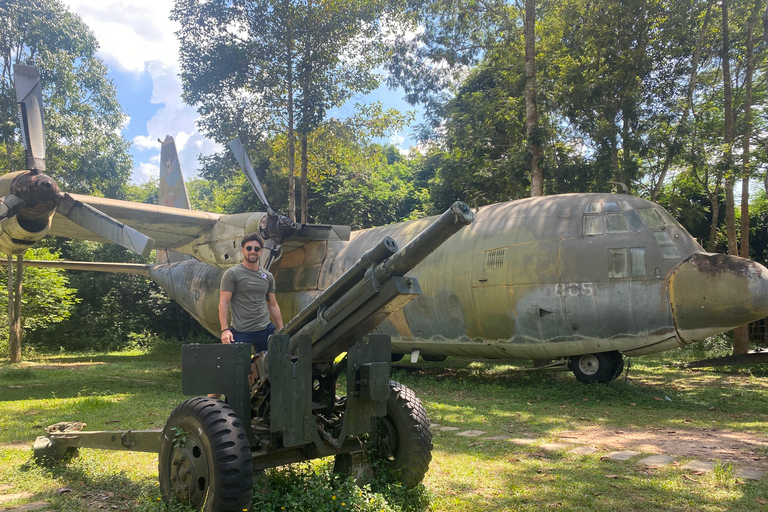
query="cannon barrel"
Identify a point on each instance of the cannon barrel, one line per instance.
(381, 251)
(452, 220)
(364, 302)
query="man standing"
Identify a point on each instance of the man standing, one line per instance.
(249, 291)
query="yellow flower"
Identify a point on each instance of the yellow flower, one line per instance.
(333, 497)
(342, 503)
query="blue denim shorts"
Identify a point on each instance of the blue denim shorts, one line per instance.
(258, 339)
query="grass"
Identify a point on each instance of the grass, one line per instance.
(132, 390)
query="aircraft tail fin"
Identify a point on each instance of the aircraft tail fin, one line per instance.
(173, 192)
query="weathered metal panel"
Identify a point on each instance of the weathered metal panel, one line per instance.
(290, 377)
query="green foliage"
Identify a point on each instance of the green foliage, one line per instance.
(313, 486)
(85, 152)
(47, 298)
(115, 310)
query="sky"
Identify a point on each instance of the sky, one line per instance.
(138, 45)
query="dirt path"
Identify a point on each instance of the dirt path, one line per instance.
(706, 444)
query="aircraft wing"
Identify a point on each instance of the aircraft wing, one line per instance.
(169, 227)
(172, 228)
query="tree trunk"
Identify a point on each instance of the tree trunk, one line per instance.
(680, 130)
(730, 214)
(291, 134)
(304, 166)
(741, 334)
(531, 110)
(714, 198)
(14, 308)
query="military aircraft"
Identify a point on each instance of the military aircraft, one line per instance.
(581, 279)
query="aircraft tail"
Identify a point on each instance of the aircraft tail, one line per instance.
(173, 192)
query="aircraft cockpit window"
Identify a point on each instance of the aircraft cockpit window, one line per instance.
(625, 207)
(594, 208)
(618, 263)
(669, 252)
(662, 237)
(610, 206)
(637, 255)
(651, 217)
(593, 225)
(634, 220)
(615, 223)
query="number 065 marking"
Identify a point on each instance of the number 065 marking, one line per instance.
(574, 289)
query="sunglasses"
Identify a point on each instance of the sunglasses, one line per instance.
(254, 248)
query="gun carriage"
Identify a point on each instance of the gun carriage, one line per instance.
(282, 407)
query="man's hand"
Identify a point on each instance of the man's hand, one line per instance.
(226, 337)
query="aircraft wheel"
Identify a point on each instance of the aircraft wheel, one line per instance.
(205, 457)
(434, 359)
(397, 357)
(602, 367)
(404, 438)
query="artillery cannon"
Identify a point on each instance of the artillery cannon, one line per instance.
(283, 408)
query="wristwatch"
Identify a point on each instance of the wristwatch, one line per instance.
(227, 329)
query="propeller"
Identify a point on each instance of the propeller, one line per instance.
(276, 228)
(34, 196)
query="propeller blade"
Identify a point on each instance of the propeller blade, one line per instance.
(9, 206)
(245, 164)
(29, 95)
(105, 226)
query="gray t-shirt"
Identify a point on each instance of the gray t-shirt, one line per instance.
(249, 297)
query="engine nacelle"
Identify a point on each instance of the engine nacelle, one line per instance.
(19, 233)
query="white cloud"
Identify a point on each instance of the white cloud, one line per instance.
(144, 142)
(148, 171)
(397, 140)
(130, 34)
(138, 37)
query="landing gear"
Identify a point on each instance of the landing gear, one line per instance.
(434, 359)
(602, 367)
(205, 457)
(404, 438)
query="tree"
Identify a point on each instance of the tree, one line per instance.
(47, 299)
(265, 68)
(85, 152)
(531, 110)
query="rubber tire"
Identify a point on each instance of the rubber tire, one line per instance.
(602, 367)
(397, 357)
(216, 452)
(434, 359)
(405, 440)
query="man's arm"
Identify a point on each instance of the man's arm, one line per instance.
(274, 310)
(224, 299)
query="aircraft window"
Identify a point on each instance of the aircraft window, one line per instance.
(669, 252)
(624, 206)
(495, 258)
(594, 208)
(667, 218)
(634, 220)
(651, 217)
(615, 223)
(638, 261)
(610, 206)
(593, 225)
(662, 237)
(618, 263)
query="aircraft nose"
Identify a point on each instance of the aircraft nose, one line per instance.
(713, 293)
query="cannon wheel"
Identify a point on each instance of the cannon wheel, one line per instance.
(205, 457)
(602, 367)
(405, 441)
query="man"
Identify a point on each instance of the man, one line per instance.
(249, 291)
